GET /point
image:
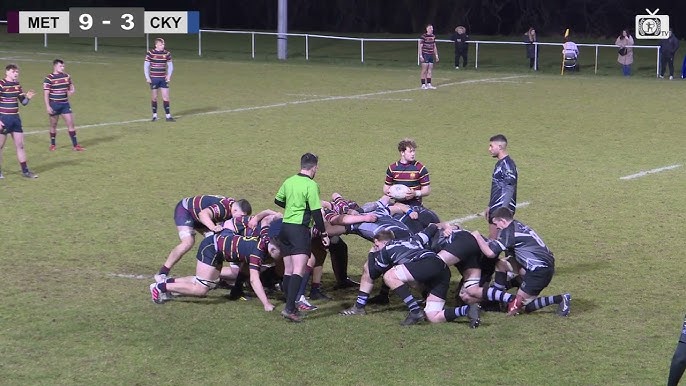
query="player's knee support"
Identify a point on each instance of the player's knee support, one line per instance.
(434, 306)
(206, 284)
(184, 234)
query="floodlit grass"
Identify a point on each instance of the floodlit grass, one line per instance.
(67, 318)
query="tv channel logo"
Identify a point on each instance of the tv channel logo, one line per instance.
(652, 25)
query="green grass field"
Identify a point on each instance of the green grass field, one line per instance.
(69, 314)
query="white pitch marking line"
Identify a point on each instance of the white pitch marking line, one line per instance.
(291, 103)
(651, 171)
(131, 276)
(20, 59)
(477, 215)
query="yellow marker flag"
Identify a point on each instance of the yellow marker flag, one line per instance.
(567, 32)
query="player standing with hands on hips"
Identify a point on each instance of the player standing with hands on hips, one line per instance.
(299, 196)
(158, 71)
(428, 55)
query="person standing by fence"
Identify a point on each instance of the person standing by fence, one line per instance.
(625, 53)
(460, 38)
(428, 55)
(530, 39)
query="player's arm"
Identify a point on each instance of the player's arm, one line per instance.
(400, 208)
(488, 248)
(257, 286)
(424, 183)
(146, 70)
(509, 186)
(348, 219)
(388, 181)
(46, 98)
(206, 218)
(170, 70)
(419, 50)
(280, 198)
(315, 204)
(436, 50)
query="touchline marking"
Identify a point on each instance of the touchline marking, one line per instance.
(131, 276)
(651, 171)
(291, 103)
(477, 215)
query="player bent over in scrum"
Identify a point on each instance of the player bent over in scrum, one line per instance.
(200, 213)
(416, 264)
(212, 253)
(532, 255)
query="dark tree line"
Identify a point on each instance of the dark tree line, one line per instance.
(488, 17)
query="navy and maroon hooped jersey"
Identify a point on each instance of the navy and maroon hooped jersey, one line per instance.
(243, 249)
(240, 224)
(413, 175)
(58, 85)
(219, 205)
(10, 92)
(428, 44)
(158, 62)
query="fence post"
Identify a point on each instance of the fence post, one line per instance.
(200, 43)
(596, 59)
(253, 45)
(147, 42)
(96, 44)
(307, 46)
(45, 40)
(362, 49)
(418, 52)
(657, 66)
(535, 56)
(476, 57)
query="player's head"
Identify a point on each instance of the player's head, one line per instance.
(241, 208)
(159, 44)
(309, 162)
(382, 238)
(497, 145)
(12, 72)
(58, 66)
(407, 148)
(429, 28)
(274, 247)
(502, 217)
(460, 29)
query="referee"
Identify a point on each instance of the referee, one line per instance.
(299, 196)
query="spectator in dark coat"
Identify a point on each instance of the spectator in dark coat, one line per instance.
(530, 39)
(460, 37)
(668, 49)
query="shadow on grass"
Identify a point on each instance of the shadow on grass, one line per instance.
(99, 140)
(582, 267)
(57, 164)
(197, 110)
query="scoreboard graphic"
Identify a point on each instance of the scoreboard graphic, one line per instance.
(103, 22)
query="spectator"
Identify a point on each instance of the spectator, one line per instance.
(530, 40)
(460, 38)
(668, 49)
(626, 53)
(570, 51)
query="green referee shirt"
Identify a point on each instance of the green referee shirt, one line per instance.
(301, 197)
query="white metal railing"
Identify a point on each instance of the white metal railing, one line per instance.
(477, 43)
(362, 41)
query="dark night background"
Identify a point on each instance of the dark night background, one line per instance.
(593, 18)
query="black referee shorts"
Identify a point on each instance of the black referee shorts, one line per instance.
(296, 240)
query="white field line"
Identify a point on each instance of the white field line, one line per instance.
(369, 98)
(651, 171)
(21, 59)
(131, 276)
(291, 103)
(477, 215)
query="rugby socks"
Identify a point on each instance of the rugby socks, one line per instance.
(428, 80)
(72, 136)
(164, 270)
(305, 279)
(496, 295)
(52, 138)
(423, 81)
(543, 302)
(451, 314)
(404, 293)
(154, 108)
(285, 282)
(676, 369)
(166, 109)
(293, 288)
(24, 168)
(500, 280)
(385, 290)
(361, 299)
